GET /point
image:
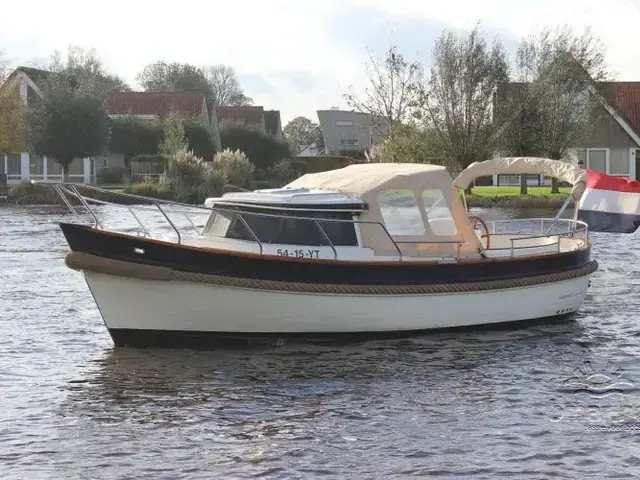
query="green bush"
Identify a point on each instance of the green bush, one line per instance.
(285, 171)
(199, 139)
(262, 150)
(323, 163)
(235, 166)
(112, 176)
(192, 179)
(151, 158)
(150, 189)
(133, 137)
(27, 193)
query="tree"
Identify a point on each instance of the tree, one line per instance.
(392, 91)
(408, 143)
(301, 132)
(9, 121)
(262, 150)
(567, 70)
(4, 67)
(132, 136)
(86, 68)
(518, 114)
(225, 87)
(173, 138)
(174, 77)
(9, 112)
(68, 123)
(457, 99)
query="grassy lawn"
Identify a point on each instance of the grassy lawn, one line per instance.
(515, 192)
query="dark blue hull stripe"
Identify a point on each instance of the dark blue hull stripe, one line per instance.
(122, 247)
(185, 339)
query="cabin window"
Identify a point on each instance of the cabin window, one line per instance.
(289, 230)
(400, 212)
(438, 214)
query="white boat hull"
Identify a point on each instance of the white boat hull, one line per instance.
(130, 304)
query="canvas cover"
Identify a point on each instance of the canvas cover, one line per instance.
(563, 171)
(367, 181)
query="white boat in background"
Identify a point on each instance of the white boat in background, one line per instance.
(371, 248)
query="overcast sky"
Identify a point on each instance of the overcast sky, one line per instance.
(296, 56)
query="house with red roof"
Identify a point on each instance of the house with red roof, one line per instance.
(155, 106)
(265, 121)
(614, 148)
(21, 166)
(152, 106)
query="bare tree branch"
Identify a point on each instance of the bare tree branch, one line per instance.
(392, 90)
(457, 100)
(225, 87)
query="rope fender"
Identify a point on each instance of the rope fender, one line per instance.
(83, 261)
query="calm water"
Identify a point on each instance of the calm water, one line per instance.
(482, 405)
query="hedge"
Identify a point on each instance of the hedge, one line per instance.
(322, 163)
(199, 140)
(263, 150)
(133, 137)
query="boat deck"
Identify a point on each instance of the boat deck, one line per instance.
(324, 239)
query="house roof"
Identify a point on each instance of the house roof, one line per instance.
(162, 104)
(620, 99)
(37, 75)
(272, 121)
(626, 96)
(244, 114)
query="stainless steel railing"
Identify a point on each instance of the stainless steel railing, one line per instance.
(71, 190)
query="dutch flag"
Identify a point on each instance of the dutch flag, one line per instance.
(610, 204)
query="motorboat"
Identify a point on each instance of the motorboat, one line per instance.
(368, 249)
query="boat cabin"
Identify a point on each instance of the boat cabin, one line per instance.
(363, 211)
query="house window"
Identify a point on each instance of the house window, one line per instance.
(619, 162)
(438, 214)
(35, 164)
(287, 231)
(76, 167)
(2, 163)
(593, 158)
(349, 142)
(53, 167)
(597, 160)
(13, 164)
(400, 212)
(344, 123)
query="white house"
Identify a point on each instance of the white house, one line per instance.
(25, 165)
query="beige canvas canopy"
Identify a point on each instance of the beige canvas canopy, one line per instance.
(367, 181)
(559, 169)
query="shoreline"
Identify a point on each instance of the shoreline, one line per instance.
(517, 201)
(473, 201)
